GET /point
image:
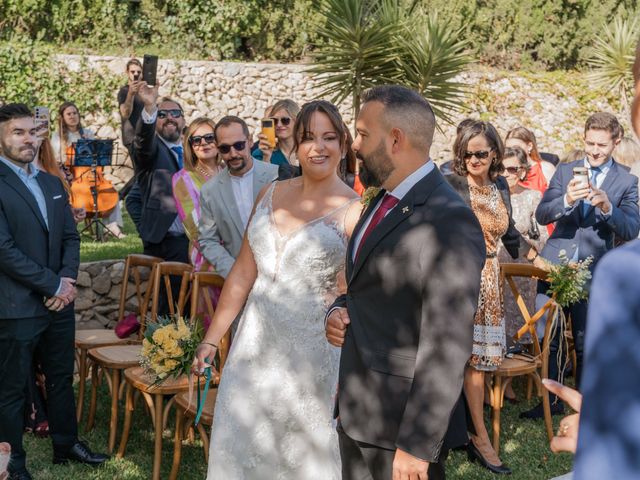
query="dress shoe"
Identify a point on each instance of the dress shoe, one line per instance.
(23, 475)
(557, 408)
(474, 455)
(79, 452)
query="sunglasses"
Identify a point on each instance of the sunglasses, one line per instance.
(285, 121)
(513, 170)
(198, 140)
(174, 113)
(480, 154)
(238, 147)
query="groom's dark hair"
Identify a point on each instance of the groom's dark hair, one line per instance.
(405, 109)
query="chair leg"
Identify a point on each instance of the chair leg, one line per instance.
(205, 441)
(157, 454)
(82, 371)
(546, 408)
(127, 422)
(94, 398)
(113, 422)
(495, 413)
(177, 445)
(529, 387)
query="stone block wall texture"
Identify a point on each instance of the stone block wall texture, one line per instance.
(215, 89)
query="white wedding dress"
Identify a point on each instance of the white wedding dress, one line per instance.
(274, 412)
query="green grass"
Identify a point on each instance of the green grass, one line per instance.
(91, 251)
(524, 448)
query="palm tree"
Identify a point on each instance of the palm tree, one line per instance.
(375, 42)
(612, 60)
(359, 50)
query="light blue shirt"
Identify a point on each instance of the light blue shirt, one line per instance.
(30, 181)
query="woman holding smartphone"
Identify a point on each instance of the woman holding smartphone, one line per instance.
(283, 114)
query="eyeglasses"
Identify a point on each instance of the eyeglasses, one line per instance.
(197, 140)
(513, 170)
(174, 113)
(238, 147)
(285, 121)
(480, 154)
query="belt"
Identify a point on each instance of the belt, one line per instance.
(492, 255)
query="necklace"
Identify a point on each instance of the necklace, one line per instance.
(205, 171)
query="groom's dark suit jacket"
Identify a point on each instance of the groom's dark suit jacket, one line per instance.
(411, 298)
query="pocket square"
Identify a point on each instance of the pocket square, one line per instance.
(57, 197)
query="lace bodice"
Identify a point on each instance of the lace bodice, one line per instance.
(273, 416)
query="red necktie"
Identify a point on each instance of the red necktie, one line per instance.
(388, 202)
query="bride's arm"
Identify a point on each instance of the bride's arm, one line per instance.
(234, 294)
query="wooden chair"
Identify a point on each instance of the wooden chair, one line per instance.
(88, 339)
(116, 358)
(186, 408)
(535, 366)
(139, 381)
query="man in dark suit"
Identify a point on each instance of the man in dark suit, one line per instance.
(158, 154)
(587, 216)
(406, 322)
(39, 259)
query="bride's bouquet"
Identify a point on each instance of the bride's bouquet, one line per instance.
(568, 280)
(169, 346)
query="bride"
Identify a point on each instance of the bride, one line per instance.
(274, 410)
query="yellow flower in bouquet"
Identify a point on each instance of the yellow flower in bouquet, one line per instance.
(169, 346)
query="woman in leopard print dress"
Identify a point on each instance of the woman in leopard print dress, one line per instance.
(478, 152)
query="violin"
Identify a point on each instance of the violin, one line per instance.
(85, 180)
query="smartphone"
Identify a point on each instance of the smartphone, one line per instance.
(150, 69)
(41, 119)
(269, 130)
(582, 174)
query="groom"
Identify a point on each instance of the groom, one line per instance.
(406, 322)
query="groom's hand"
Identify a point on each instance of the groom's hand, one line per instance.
(336, 327)
(408, 467)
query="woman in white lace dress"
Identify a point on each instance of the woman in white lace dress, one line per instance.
(273, 416)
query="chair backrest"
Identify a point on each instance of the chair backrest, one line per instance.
(200, 289)
(132, 266)
(162, 274)
(509, 271)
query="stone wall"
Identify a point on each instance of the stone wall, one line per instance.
(99, 286)
(555, 106)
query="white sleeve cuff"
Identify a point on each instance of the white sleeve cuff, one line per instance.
(146, 118)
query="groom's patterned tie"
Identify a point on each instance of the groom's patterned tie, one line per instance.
(388, 202)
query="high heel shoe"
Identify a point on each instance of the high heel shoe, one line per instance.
(474, 455)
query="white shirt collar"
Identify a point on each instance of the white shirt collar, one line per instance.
(407, 184)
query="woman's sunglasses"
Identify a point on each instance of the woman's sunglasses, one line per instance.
(513, 170)
(480, 154)
(285, 121)
(198, 140)
(238, 147)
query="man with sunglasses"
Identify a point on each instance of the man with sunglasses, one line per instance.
(227, 200)
(157, 155)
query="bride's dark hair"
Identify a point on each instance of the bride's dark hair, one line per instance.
(302, 126)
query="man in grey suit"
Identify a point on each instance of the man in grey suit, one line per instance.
(227, 200)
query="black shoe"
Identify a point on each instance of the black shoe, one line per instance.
(474, 455)
(79, 452)
(23, 475)
(557, 408)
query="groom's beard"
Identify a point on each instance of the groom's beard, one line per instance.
(375, 168)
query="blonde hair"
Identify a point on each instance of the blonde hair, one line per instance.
(189, 157)
(573, 155)
(289, 106)
(627, 152)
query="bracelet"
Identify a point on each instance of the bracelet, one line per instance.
(209, 343)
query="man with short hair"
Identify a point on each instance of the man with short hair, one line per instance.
(405, 324)
(129, 103)
(39, 260)
(587, 219)
(157, 155)
(227, 199)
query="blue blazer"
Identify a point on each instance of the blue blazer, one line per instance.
(593, 233)
(608, 443)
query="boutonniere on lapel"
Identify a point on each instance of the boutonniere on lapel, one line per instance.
(369, 194)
